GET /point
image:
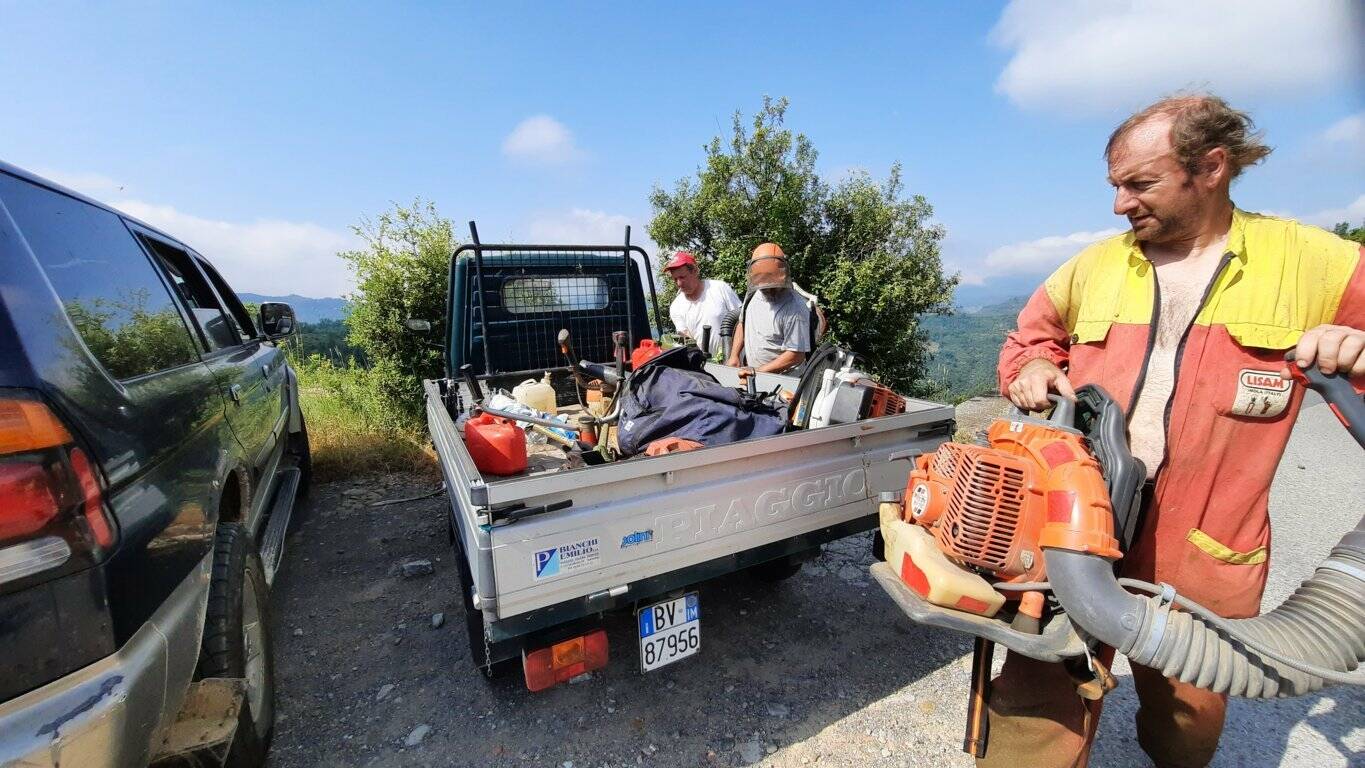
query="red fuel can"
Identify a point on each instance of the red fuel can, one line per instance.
(648, 349)
(497, 445)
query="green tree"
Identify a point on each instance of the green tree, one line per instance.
(867, 250)
(326, 338)
(1344, 230)
(127, 338)
(401, 274)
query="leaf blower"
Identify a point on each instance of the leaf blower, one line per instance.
(1015, 541)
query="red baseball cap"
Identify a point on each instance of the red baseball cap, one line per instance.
(681, 259)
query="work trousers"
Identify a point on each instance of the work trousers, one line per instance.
(1038, 720)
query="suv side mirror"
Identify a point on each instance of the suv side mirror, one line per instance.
(417, 326)
(277, 319)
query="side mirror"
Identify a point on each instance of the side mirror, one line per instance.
(277, 320)
(418, 326)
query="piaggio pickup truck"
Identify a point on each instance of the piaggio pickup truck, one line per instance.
(545, 553)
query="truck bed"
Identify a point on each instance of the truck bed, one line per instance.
(597, 536)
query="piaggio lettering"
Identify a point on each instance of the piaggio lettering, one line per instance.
(771, 505)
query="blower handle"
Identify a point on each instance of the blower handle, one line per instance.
(1337, 391)
(1063, 411)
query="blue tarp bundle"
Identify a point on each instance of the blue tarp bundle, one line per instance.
(672, 395)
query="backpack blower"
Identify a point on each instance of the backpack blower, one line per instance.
(1015, 540)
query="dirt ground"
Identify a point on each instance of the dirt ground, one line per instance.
(819, 670)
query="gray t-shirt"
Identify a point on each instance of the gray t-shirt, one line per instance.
(771, 328)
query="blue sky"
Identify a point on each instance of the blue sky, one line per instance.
(260, 134)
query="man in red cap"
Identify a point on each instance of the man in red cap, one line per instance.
(699, 302)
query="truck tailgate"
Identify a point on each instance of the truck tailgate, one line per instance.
(646, 517)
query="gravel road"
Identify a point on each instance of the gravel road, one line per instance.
(819, 670)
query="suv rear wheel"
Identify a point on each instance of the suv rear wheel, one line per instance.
(236, 640)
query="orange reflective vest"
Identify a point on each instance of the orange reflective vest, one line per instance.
(1230, 414)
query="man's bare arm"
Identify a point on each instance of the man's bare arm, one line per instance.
(736, 347)
(782, 362)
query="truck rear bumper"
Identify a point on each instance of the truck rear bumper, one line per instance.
(515, 627)
(107, 713)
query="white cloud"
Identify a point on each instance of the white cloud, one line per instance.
(1031, 257)
(584, 226)
(269, 256)
(541, 140)
(1348, 130)
(1079, 56)
(1343, 142)
(1353, 214)
(581, 226)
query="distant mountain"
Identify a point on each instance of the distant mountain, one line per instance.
(1008, 307)
(307, 310)
(970, 298)
(966, 346)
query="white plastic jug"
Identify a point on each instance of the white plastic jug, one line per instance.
(539, 395)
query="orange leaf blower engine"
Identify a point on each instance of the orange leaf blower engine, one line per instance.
(965, 543)
(967, 536)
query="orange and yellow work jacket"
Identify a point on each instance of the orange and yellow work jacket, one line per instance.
(1207, 531)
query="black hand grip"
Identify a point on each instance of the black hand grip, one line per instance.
(1336, 389)
(467, 371)
(1063, 411)
(706, 340)
(600, 371)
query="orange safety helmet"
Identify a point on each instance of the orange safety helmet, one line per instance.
(767, 251)
(767, 267)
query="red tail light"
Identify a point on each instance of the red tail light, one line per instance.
(28, 502)
(92, 501)
(52, 510)
(545, 667)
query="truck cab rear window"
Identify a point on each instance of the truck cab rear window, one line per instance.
(524, 295)
(111, 292)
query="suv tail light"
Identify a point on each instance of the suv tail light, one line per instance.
(52, 513)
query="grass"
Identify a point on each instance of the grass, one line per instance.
(350, 429)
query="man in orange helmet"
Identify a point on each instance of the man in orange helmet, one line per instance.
(1185, 320)
(774, 330)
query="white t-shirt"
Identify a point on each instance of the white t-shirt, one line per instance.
(688, 317)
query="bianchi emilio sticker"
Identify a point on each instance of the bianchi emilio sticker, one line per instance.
(566, 558)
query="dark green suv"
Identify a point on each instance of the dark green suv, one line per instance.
(151, 451)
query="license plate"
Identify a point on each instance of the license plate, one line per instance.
(669, 631)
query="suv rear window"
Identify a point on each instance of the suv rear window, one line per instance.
(110, 290)
(218, 331)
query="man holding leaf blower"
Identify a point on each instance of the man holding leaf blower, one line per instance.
(1186, 319)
